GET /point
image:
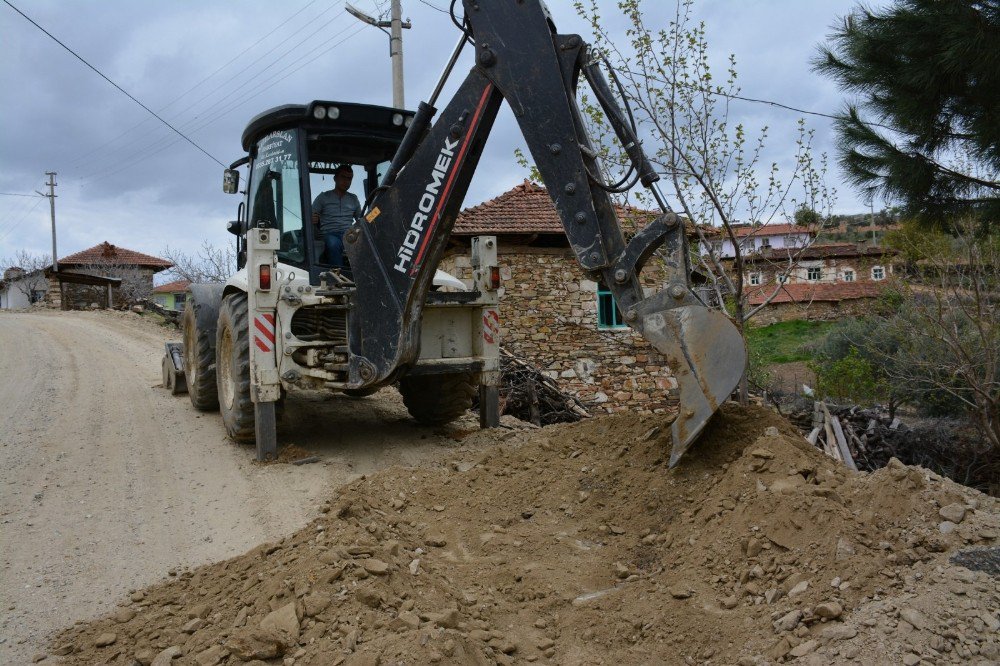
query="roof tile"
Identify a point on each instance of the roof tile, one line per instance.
(527, 209)
(806, 292)
(106, 253)
(172, 287)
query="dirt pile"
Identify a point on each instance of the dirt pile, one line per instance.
(575, 544)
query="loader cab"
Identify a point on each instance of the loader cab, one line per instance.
(292, 153)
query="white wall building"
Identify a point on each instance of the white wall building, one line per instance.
(757, 239)
(18, 290)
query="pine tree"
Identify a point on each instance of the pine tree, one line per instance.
(924, 129)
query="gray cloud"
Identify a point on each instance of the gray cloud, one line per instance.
(125, 178)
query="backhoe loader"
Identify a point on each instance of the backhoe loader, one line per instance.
(287, 319)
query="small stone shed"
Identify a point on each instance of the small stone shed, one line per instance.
(99, 275)
(554, 317)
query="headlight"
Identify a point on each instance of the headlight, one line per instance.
(397, 119)
(319, 112)
(333, 113)
(408, 121)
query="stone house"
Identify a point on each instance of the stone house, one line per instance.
(828, 281)
(552, 315)
(102, 276)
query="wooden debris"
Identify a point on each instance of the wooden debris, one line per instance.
(530, 395)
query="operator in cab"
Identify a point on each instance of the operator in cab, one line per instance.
(333, 212)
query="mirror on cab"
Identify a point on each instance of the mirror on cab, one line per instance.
(231, 181)
(235, 227)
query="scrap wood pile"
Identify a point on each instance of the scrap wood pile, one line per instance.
(867, 439)
(530, 395)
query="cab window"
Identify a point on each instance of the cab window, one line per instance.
(275, 199)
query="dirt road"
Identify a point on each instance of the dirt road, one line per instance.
(109, 482)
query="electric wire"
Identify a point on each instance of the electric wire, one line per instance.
(74, 162)
(24, 217)
(277, 78)
(102, 75)
(443, 11)
(20, 205)
(187, 124)
(203, 120)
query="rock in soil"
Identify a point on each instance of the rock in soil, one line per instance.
(725, 559)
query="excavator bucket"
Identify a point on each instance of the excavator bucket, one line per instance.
(708, 356)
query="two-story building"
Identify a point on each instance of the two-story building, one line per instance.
(822, 281)
(760, 238)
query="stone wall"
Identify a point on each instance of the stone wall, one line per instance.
(548, 313)
(85, 296)
(815, 311)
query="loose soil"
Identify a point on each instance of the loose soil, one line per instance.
(571, 544)
(109, 481)
(576, 545)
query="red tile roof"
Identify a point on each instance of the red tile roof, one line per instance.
(106, 253)
(821, 251)
(806, 292)
(172, 287)
(527, 209)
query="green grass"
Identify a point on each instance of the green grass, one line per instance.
(787, 341)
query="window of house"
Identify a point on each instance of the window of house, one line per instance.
(755, 279)
(848, 276)
(782, 278)
(878, 273)
(608, 314)
(814, 273)
(765, 242)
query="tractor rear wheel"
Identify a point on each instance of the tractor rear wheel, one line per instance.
(438, 399)
(199, 352)
(233, 371)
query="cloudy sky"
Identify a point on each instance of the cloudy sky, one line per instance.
(208, 67)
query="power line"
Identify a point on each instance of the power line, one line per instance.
(122, 90)
(21, 205)
(443, 11)
(24, 217)
(97, 149)
(157, 148)
(190, 124)
(11, 194)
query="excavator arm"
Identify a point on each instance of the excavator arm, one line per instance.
(394, 252)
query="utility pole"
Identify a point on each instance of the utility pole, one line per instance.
(52, 209)
(395, 25)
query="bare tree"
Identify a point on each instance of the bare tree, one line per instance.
(954, 303)
(210, 264)
(715, 168)
(136, 283)
(23, 272)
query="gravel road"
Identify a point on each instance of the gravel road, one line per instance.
(109, 481)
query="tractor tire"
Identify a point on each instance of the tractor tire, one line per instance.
(438, 399)
(200, 313)
(233, 371)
